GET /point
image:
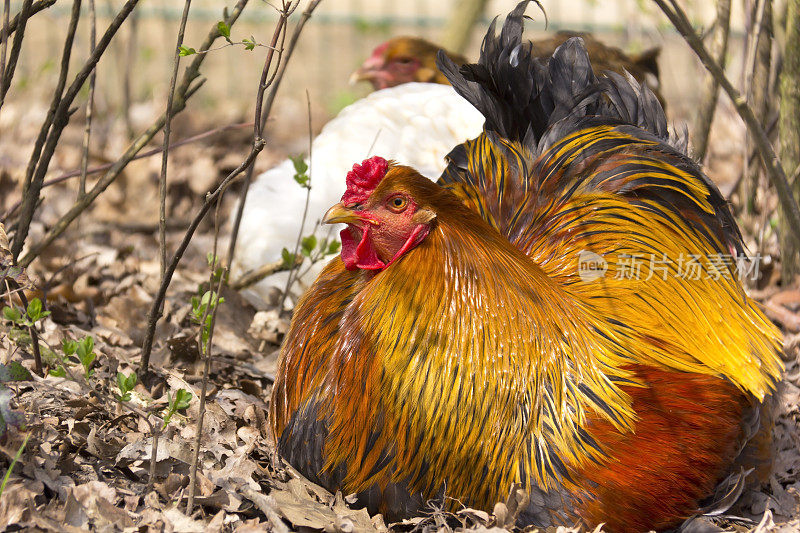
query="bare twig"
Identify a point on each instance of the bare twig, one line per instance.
(32, 331)
(771, 162)
(154, 313)
(266, 505)
(29, 204)
(100, 168)
(258, 145)
(39, 5)
(8, 73)
(183, 93)
(756, 89)
(294, 267)
(790, 138)
(752, 49)
(87, 133)
(205, 351)
(4, 34)
(284, 61)
(33, 181)
(131, 48)
(708, 100)
(162, 182)
(251, 277)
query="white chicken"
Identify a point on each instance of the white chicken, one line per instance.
(416, 124)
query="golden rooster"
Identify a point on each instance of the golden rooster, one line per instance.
(529, 319)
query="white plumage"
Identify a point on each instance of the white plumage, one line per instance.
(415, 124)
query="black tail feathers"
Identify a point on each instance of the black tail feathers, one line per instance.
(527, 99)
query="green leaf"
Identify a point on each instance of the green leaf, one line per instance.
(13, 371)
(12, 314)
(34, 309)
(182, 399)
(184, 51)
(249, 44)
(88, 344)
(299, 162)
(131, 381)
(69, 346)
(224, 30)
(20, 336)
(59, 372)
(86, 355)
(126, 383)
(35, 312)
(308, 244)
(334, 247)
(288, 258)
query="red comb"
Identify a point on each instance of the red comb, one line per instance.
(380, 49)
(363, 179)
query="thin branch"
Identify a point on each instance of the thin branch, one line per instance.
(752, 49)
(37, 6)
(205, 349)
(100, 168)
(87, 133)
(291, 278)
(162, 182)
(131, 48)
(183, 93)
(251, 277)
(771, 162)
(258, 145)
(756, 89)
(44, 131)
(4, 34)
(32, 331)
(60, 120)
(8, 74)
(154, 313)
(288, 54)
(266, 504)
(268, 106)
(708, 101)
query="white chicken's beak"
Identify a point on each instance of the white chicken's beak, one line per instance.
(362, 74)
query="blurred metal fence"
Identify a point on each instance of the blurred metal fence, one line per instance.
(339, 36)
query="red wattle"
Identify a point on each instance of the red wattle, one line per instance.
(359, 254)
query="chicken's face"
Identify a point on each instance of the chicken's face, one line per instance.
(401, 60)
(384, 219)
(389, 65)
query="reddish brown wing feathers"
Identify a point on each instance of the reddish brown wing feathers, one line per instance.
(687, 437)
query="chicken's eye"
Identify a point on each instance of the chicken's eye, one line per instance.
(398, 203)
(404, 60)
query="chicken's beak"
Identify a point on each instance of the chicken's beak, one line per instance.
(339, 214)
(362, 74)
